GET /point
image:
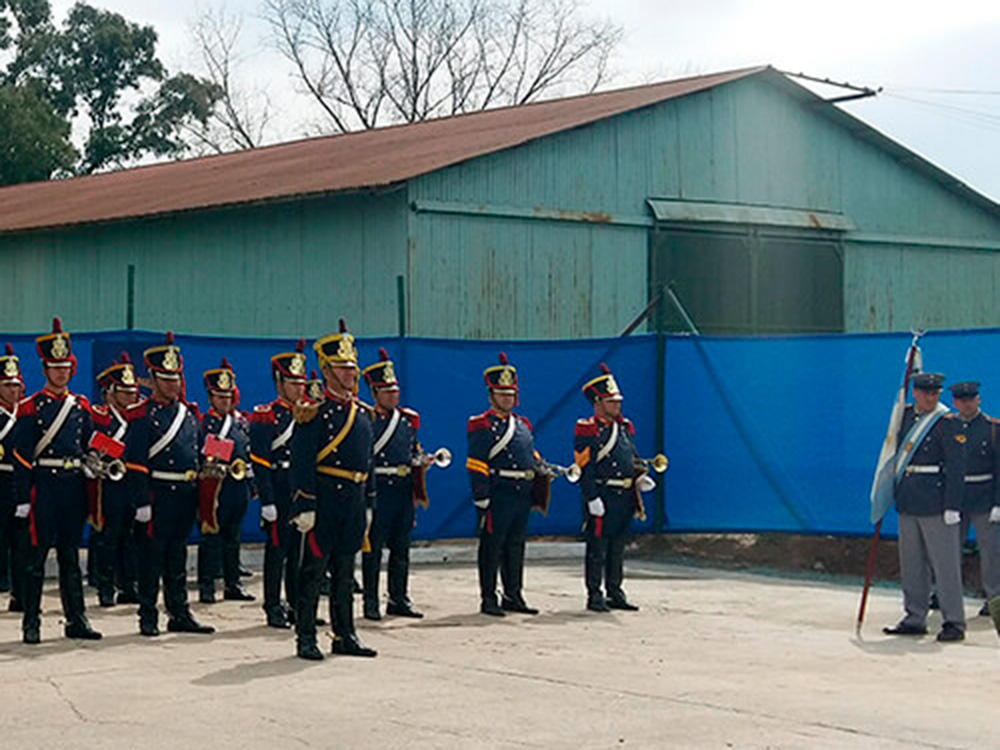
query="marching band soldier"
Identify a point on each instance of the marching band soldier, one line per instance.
(399, 481)
(502, 466)
(271, 428)
(223, 487)
(171, 442)
(981, 502)
(112, 503)
(602, 448)
(928, 500)
(12, 528)
(333, 490)
(53, 431)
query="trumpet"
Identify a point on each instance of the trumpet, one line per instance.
(657, 463)
(440, 458)
(571, 472)
(113, 470)
(237, 470)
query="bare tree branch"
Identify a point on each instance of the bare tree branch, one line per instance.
(242, 117)
(371, 62)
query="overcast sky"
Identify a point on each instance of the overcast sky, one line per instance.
(916, 50)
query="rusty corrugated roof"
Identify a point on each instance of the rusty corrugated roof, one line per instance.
(329, 164)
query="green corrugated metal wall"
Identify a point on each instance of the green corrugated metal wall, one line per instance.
(546, 240)
(279, 269)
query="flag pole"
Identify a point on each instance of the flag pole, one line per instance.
(873, 547)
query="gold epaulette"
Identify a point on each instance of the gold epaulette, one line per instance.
(304, 412)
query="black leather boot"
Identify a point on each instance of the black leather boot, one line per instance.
(306, 648)
(351, 645)
(80, 628)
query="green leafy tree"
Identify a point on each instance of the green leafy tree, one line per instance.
(34, 140)
(99, 75)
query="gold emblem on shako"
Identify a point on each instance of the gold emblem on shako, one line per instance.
(612, 386)
(59, 348)
(298, 365)
(128, 377)
(345, 350)
(170, 361)
(224, 380)
(388, 374)
(506, 377)
(10, 368)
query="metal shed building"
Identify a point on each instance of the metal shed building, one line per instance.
(768, 208)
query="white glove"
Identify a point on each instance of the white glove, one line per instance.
(596, 507)
(482, 504)
(269, 513)
(305, 521)
(951, 517)
(995, 514)
(22, 510)
(369, 514)
(144, 513)
(646, 483)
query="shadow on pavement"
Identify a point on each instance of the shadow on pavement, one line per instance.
(256, 670)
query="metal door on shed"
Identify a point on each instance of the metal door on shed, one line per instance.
(748, 279)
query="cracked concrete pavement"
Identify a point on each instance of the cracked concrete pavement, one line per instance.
(715, 659)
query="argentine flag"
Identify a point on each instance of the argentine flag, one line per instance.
(884, 483)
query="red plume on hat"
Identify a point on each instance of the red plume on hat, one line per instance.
(313, 375)
(503, 358)
(56, 325)
(124, 358)
(383, 355)
(343, 326)
(8, 350)
(169, 338)
(604, 369)
(225, 364)
(300, 346)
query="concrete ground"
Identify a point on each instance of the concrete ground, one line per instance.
(714, 659)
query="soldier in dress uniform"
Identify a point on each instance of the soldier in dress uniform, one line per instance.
(502, 467)
(981, 501)
(13, 530)
(53, 431)
(333, 491)
(271, 428)
(113, 502)
(223, 487)
(171, 442)
(399, 480)
(609, 485)
(928, 502)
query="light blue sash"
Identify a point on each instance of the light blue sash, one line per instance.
(914, 437)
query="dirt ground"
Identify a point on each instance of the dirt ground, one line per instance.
(827, 557)
(716, 658)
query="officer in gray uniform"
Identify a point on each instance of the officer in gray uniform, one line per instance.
(980, 503)
(928, 501)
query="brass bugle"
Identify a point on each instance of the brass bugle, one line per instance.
(113, 470)
(440, 458)
(657, 463)
(238, 469)
(571, 472)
